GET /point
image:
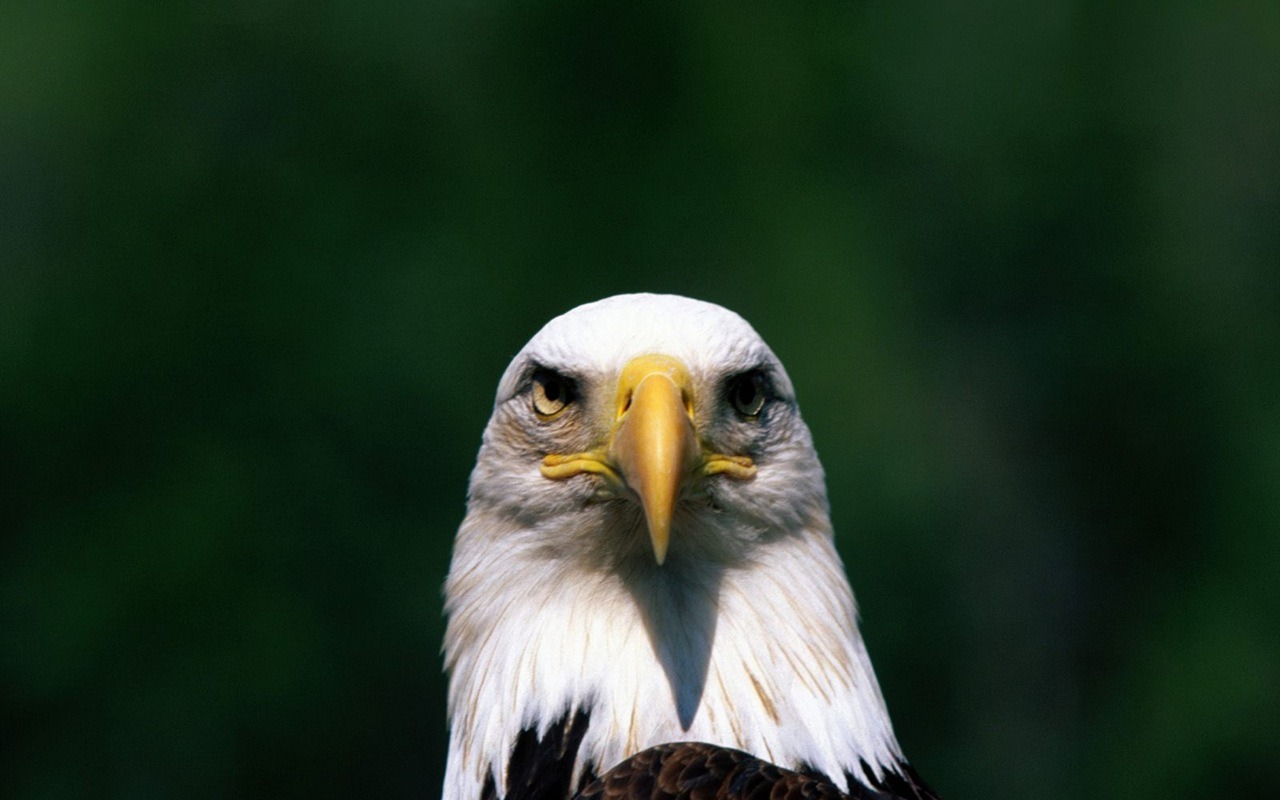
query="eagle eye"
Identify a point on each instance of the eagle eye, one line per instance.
(552, 392)
(747, 393)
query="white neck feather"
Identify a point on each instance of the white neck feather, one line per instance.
(763, 655)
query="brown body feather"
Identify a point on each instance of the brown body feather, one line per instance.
(697, 771)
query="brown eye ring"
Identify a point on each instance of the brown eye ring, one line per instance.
(552, 393)
(747, 394)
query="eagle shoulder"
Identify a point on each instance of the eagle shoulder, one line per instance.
(701, 771)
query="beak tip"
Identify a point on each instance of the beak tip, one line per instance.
(660, 542)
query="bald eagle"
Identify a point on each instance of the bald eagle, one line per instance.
(645, 583)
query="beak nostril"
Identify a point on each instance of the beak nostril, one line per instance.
(626, 404)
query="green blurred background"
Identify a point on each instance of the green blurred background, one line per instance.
(262, 263)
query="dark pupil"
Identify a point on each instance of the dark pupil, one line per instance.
(551, 389)
(746, 392)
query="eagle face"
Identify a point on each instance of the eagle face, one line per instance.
(647, 558)
(627, 428)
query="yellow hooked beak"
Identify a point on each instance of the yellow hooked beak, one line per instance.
(654, 447)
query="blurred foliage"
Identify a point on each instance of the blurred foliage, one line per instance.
(262, 263)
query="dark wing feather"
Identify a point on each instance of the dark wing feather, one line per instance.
(899, 781)
(541, 767)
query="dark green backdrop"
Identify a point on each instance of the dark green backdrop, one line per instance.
(262, 263)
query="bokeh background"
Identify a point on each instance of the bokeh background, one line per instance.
(262, 263)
